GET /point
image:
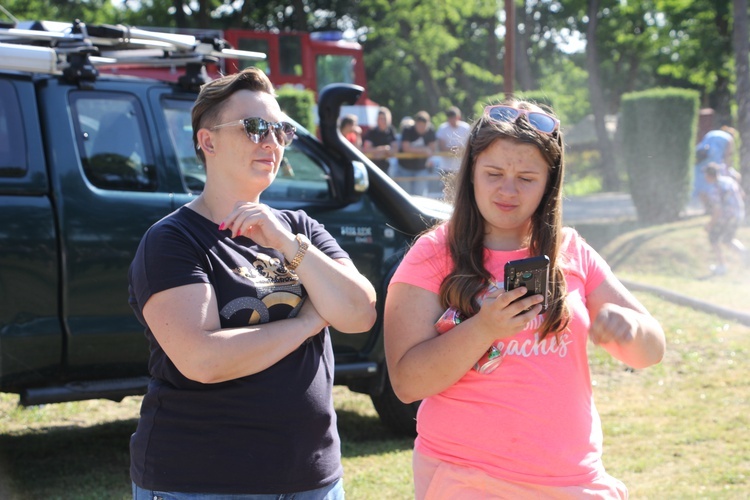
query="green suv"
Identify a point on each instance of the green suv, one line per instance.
(88, 162)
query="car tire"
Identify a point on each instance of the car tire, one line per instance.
(397, 416)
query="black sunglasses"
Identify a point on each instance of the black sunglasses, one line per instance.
(257, 129)
(540, 121)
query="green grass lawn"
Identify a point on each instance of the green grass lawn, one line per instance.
(678, 430)
(677, 256)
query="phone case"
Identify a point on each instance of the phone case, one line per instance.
(533, 273)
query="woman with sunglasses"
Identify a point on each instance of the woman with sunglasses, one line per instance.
(507, 408)
(236, 298)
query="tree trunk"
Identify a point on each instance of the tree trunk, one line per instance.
(244, 15)
(610, 179)
(430, 85)
(741, 54)
(204, 19)
(493, 48)
(423, 70)
(722, 102)
(299, 17)
(634, 63)
(509, 56)
(523, 41)
(179, 14)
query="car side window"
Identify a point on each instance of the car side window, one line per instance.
(13, 162)
(111, 133)
(301, 177)
(180, 132)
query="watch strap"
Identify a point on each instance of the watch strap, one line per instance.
(301, 251)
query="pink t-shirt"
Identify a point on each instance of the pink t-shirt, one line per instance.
(533, 418)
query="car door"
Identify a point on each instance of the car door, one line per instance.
(30, 331)
(108, 189)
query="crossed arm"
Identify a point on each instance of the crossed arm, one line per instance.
(185, 320)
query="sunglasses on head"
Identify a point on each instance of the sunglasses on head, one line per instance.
(257, 129)
(540, 121)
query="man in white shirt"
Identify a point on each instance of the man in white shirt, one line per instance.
(452, 136)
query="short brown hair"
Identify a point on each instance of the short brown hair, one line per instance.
(453, 112)
(422, 116)
(210, 101)
(385, 112)
(348, 120)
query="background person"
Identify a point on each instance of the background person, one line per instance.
(528, 429)
(451, 136)
(350, 129)
(381, 142)
(418, 140)
(406, 121)
(236, 298)
(717, 147)
(727, 213)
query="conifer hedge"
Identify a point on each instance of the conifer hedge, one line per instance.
(658, 128)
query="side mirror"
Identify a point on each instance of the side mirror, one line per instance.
(330, 100)
(361, 177)
(354, 180)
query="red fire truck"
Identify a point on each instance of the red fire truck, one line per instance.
(307, 60)
(303, 60)
(300, 59)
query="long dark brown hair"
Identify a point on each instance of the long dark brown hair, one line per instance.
(466, 227)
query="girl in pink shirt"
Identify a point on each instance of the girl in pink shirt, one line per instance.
(529, 427)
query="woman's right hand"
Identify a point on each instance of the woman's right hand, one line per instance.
(421, 362)
(503, 315)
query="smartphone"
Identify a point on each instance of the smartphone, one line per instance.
(533, 273)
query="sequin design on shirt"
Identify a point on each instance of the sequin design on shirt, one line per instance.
(275, 286)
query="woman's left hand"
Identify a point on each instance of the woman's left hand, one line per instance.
(623, 327)
(613, 323)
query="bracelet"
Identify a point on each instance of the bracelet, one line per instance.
(301, 251)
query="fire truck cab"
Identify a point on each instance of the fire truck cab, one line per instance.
(307, 60)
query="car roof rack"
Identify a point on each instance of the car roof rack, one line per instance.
(75, 50)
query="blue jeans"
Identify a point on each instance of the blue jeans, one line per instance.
(334, 491)
(413, 181)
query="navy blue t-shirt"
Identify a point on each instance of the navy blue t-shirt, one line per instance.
(411, 135)
(270, 432)
(380, 137)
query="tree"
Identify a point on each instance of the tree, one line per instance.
(91, 12)
(610, 177)
(430, 54)
(525, 22)
(697, 51)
